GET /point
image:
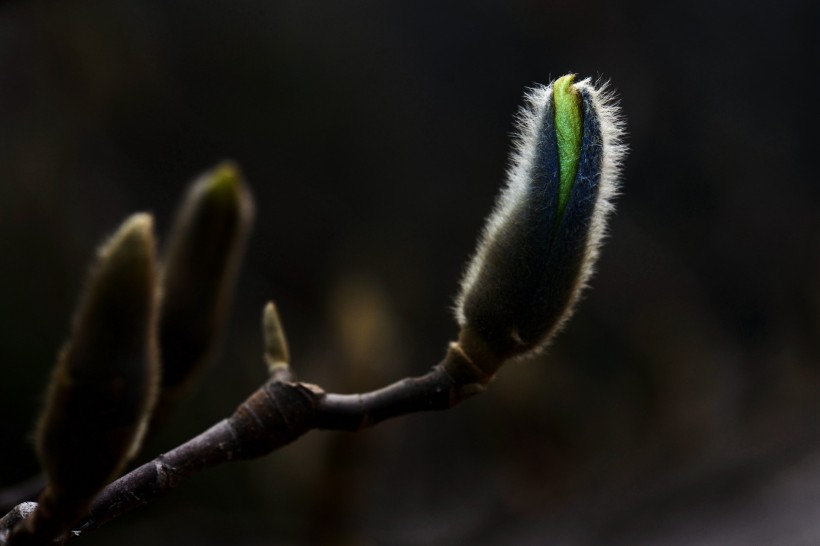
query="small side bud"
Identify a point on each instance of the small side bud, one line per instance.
(277, 354)
(540, 244)
(104, 383)
(198, 276)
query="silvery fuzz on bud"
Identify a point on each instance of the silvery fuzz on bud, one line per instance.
(540, 244)
(104, 383)
(199, 273)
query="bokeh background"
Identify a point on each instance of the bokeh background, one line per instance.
(681, 405)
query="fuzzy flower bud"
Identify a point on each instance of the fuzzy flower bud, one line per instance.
(104, 384)
(540, 244)
(199, 274)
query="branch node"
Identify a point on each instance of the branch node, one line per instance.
(464, 370)
(167, 475)
(273, 416)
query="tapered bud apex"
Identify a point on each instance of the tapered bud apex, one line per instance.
(540, 244)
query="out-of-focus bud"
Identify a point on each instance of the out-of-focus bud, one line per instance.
(540, 244)
(198, 276)
(105, 380)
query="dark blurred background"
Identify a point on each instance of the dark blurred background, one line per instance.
(680, 406)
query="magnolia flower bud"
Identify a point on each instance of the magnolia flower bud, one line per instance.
(540, 244)
(198, 276)
(104, 383)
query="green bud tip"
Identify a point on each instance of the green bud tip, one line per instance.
(277, 354)
(224, 182)
(569, 121)
(135, 233)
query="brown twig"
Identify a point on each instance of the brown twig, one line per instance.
(276, 415)
(16, 515)
(24, 491)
